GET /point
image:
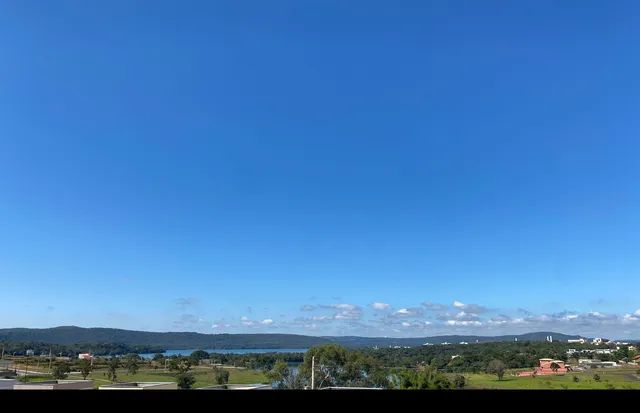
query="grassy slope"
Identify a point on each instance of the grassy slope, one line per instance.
(623, 378)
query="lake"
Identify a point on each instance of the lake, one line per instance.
(170, 353)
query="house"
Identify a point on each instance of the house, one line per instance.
(547, 367)
(85, 356)
(30, 353)
(577, 340)
(56, 385)
(148, 385)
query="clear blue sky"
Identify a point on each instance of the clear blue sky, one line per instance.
(282, 166)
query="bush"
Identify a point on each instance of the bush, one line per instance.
(186, 381)
(459, 381)
(61, 371)
(221, 376)
(576, 379)
(596, 377)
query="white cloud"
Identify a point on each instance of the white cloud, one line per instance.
(408, 312)
(463, 323)
(380, 306)
(244, 318)
(405, 324)
(473, 308)
(267, 321)
(345, 307)
(637, 312)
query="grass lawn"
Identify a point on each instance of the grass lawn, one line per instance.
(204, 376)
(620, 378)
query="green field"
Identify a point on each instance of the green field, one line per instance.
(622, 378)
(204, 376)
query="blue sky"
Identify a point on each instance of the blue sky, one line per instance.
(321, 167)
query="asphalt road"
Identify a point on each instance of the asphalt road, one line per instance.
(7, 384)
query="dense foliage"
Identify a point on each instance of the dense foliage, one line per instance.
(72, 350)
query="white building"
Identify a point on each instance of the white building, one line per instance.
(56, 385)
(160, 385)
(577, 340)
(85, 356)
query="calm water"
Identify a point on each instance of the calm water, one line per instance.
(169, 353)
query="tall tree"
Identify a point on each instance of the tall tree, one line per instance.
(279, 374)
(85, 368)
(61, 370)
(496, 367)
(132, 363)
(112, 368)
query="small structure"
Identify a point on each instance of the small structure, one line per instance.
(577, 340)
(258, 386)
(149, 385)
(56, 385)
(85, 356)
(547, 367)
(30, 353)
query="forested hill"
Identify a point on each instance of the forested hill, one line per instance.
(188, 340)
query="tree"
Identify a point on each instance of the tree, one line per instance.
(181, 365)
(85, 368)
(159, 357)
(279, 374)
(496, 367)
(185, 380)
(554, 366)
(596, 377)
(61, 370)
(221, 376)
(112, 369)
(198, 355)
(131, 363)
(459, 381)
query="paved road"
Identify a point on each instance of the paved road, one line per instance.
(7, 384)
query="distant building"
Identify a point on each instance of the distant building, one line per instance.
(547, 367)
(85, 356)
(30, 353)
(56, 385)
(577, 340)
(158, 385)
(463, 342)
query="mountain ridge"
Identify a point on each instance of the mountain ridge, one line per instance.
(190, 340)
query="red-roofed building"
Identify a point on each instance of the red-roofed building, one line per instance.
(547, 367)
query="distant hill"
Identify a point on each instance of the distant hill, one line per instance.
(188, 340)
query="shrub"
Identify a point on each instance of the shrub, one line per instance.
(576, 379)
(459, 381)
(185, 380)
(596, 377)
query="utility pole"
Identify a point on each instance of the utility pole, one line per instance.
(50, 359)
(313, 371)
